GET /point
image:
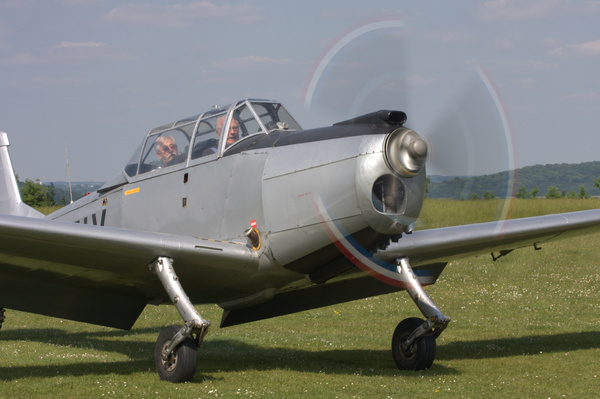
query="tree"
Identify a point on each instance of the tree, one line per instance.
(488, 195)
(35, 194)
(597, 183)
(553, 193)
(582, 193)
(522, 193)
(535, 191)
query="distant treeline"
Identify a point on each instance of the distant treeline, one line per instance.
(556, 180)
(79, 189)
(34, 193)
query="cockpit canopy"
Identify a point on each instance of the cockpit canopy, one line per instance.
(198, 138)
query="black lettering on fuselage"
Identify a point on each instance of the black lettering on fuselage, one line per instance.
(95, 219)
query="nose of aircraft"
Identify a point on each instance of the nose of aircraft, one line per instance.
(417, 149)
(406, 152)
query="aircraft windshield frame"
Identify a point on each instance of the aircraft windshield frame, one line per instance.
(198, 138)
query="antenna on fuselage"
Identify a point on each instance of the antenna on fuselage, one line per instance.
(69, 173)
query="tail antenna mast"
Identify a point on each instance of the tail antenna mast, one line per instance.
(69, 173)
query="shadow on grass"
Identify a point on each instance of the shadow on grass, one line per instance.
(519, 346)
(229, 355)
(139, 353)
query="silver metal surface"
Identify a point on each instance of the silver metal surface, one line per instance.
(193, 321)
(434, 319)
(10, 197)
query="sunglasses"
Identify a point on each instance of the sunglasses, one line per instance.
(167, 147)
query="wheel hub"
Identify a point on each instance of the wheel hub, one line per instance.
(169, 359)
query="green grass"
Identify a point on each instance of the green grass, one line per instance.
(46, 210)
(527, 325)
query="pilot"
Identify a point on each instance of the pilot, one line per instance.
(166, 151)
(232, 137)
(234, 130)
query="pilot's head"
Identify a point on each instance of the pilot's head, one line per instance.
(234, 130)
(166, 149)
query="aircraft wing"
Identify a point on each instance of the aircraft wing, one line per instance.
(428, 251)
(497, 238)
(100, 275)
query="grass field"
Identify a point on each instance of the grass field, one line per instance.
(527, 325)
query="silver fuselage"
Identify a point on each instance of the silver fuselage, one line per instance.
(293, 187)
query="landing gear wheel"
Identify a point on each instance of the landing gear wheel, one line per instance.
(420, 355)
(180, 365)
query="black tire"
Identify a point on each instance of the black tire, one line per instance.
(182, 362)
(420, 355)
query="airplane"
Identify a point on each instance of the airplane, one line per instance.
(266, 220)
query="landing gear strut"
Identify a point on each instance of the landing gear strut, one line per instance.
(413, 342)
(2, 317)
(175, 355)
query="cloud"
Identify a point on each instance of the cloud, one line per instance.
(417, 80)
(18, 3)
(535, 9)
(19, 60)
(79, 45)
(519, 9)
(82, 3)
(38, 82)
(520, 66)
(528, 82)
(69, 53)
(587, 49)
(582, 97)
(177, 16)
(452, 37)
(249, 62)
(523, 41)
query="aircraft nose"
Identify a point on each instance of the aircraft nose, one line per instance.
(406, 152)
(417, 149)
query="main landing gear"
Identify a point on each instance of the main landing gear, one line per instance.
(413, 342)
(176, 351)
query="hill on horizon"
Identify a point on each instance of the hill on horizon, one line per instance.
(565, 177)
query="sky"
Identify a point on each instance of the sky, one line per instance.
(506, 83)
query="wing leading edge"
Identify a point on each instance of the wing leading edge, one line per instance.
(99, 274)
(446, 244)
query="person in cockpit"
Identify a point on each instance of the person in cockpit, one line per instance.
(234, 130)
(232, 136)
(166, 151)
